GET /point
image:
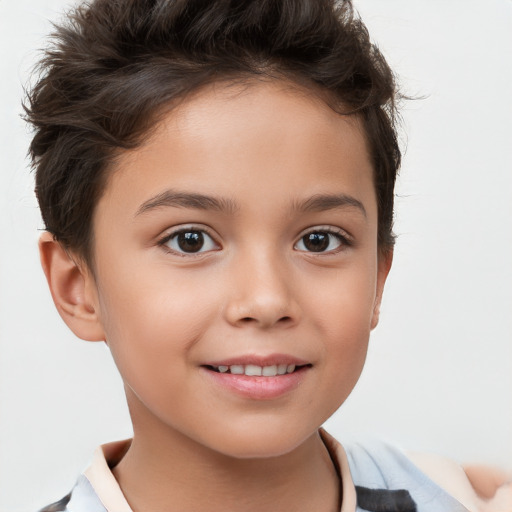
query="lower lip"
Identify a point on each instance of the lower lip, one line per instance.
(259, 388)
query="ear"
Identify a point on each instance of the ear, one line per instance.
(385, 259)
(73, 289)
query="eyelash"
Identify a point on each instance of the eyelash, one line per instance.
(164, 241)
(342, 237)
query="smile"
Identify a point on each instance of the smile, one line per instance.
(257, 382)
(258, 377)
(253, 370)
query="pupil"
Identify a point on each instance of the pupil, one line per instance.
(316, 242)
(190, 241)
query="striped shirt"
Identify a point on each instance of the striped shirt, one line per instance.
(375, 477)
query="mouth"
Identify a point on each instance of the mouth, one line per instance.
(258, 377)
(253, 370)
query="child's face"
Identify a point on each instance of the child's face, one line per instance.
(244, 232)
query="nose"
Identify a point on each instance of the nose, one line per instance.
(261, 294)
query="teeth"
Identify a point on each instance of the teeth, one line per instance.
(269, 371)
(254, 370)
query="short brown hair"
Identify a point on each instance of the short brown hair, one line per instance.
(113, 65)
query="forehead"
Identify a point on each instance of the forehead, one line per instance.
(252, 138)
(277, 110)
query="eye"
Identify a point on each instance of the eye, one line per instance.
(190, 241)
(321, 241)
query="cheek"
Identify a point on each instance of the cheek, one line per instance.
(342, 310)
(343, 302)
(156, 301)
(152, 325)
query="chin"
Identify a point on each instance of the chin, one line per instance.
(258, 443)
(257, 451)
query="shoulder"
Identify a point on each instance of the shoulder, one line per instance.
(82, 498)
(58, 506)
(96, 489)
(436, 487)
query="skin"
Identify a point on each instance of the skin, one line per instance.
(493, 487)
(254, 290)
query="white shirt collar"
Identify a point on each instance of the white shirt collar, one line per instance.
(111, 496)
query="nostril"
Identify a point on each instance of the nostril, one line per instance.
(249, 319)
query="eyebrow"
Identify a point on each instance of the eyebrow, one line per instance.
(323, 202)
(175, 199)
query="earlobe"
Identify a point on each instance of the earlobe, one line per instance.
(72, 288)
(384, 266)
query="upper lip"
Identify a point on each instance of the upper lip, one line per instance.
(259, 360)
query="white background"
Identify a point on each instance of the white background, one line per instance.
(439, 371)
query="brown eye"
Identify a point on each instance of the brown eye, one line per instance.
(316, 242)
(190, 241)
(321, 241)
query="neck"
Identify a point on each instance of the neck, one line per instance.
(165, 471)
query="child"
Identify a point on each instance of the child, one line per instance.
(216, 180)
